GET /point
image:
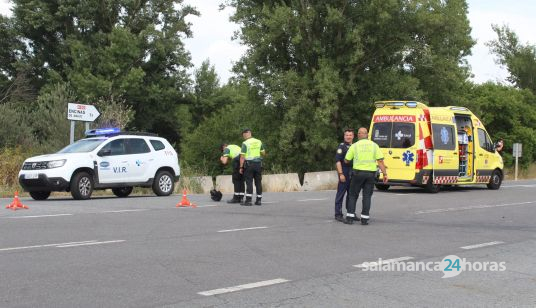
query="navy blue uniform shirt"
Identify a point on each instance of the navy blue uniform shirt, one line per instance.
(339, 156)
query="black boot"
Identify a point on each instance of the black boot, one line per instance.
(258, 201)
(236, 199)
(349, 220)
(364, 221)
(247, 202)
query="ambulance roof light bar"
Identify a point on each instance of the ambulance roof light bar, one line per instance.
(411, 104)
(459, 108)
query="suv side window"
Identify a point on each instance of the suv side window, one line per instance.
(157, 145)
(115, 147)
(137, 146)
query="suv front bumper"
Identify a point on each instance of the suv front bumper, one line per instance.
(43, 183)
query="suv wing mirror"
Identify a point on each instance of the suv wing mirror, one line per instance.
(107, 152)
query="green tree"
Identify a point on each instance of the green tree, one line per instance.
(320, 64)
(120, 48)
(507, 113)
(519, 59)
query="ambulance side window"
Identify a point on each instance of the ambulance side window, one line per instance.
(403, 135)
(381, 134)
(484, 141)
(444, 137)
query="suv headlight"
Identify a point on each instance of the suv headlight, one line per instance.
(56, 163)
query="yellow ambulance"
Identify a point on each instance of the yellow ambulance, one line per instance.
(434, 146)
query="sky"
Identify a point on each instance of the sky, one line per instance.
(213, 32)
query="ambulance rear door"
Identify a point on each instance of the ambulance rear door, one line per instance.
(396, 136)
(444, 138)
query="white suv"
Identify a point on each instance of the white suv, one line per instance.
(110, 159)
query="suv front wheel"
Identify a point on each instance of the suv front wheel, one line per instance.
(163, 183)
(82, 186)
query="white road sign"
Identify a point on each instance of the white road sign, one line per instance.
(517, 149)
(79, 112)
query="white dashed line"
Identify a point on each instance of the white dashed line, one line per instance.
(38, 216)
(305, 200)
(46, 245)
(243, 287)
(243, 229)
(123, 211)
(482, 245)
(473, 207)
(377, 263)
(89, 243)
(521, 185)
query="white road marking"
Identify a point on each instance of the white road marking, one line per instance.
(482, 245)
(269, 202)
(123, 211)
(520, 185)
(46, 245)
(305, 200)
(38, 216)
(243, 229)
(376, 263)
(207, 205)
(89, 243)
(473, 207)
(243, 287)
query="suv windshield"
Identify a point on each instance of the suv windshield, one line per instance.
(82, 146)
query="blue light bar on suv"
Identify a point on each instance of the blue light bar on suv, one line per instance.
(103, 131)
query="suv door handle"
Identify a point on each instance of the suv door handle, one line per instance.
(124, 162)
(396, 157)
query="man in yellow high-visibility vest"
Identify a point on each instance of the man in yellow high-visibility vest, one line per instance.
(251, 165)
(232, 152)
(366, 156)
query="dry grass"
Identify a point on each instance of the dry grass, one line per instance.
(523, 174)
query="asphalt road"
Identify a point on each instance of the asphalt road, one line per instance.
(145, 252)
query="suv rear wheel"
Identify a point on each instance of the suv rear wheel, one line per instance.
(122, 192)
(163, 183)
(82, 186)
(40, 195)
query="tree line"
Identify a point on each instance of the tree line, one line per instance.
(311, 69)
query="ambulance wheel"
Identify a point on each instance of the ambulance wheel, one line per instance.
(495, 181)
(382, 187)
(40, 195)
(431, 187)
(122, 192)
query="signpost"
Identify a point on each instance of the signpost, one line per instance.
(517, 150)
(83, 113)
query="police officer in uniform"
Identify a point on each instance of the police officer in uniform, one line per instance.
(232, 152)
(251, 166)
(366, 156)
(343, 171)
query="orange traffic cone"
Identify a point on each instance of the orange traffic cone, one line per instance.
(16, 204)
(185, 202)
